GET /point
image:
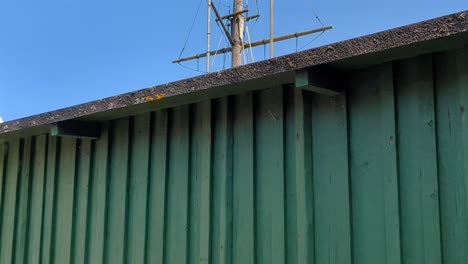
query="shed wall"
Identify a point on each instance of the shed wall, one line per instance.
(376, 175)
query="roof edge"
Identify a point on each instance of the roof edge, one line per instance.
(258, 75)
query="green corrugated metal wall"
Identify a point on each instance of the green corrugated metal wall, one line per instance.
(379, 175)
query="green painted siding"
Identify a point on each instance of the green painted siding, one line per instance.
(376, 175)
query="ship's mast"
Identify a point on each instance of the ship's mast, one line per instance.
(236, 35)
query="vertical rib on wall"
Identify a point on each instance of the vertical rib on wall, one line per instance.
(376, 175)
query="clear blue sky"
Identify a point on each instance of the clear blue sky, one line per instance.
(58, 53)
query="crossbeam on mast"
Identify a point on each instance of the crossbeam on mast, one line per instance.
(252, 17)
(256, 43)
(248, 18)
(232, 15)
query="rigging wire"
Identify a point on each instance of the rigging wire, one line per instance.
(243, 48)
(186, 42)
(314, 39)
(217, 49)
(318, 18)
(222, 31)
(255, 21)
(191, 29)
(297, 39)
(243, 53)
(224, 61)
(250, 43)
(319, 35)
(189, 68)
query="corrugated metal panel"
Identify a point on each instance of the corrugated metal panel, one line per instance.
(378, 175)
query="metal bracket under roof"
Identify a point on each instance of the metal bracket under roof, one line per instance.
(328, 82)
(76, 129)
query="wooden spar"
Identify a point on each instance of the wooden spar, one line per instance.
(256, 43)
(237, 33)
(232, 15)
